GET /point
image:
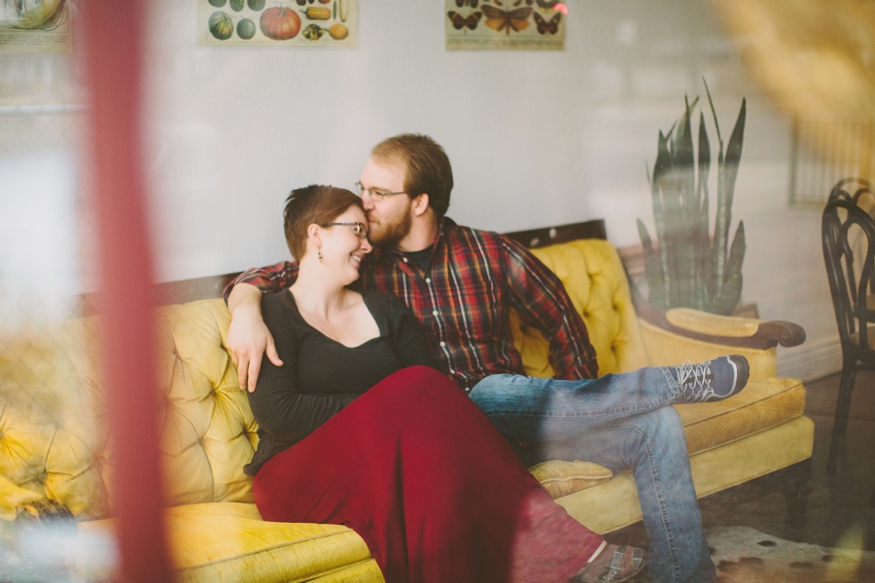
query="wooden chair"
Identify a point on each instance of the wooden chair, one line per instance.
(848, 232)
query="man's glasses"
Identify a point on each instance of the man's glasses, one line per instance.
(357, 228)
(374, 194)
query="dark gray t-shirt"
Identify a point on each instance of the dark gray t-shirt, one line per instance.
(320, 376)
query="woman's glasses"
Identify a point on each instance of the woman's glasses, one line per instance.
(357, 228)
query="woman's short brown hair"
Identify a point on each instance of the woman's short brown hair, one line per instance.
(427, 167)
(313, 204)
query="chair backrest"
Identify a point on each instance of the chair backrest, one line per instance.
(848, 232)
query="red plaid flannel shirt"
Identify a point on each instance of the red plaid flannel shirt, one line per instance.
(463, 300)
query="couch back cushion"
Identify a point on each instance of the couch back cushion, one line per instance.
(208, 431)
(52, 419)
(594, 277)
(53, 426)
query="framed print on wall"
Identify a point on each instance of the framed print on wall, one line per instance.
(35, 27)
(502, 25)
(287, 23)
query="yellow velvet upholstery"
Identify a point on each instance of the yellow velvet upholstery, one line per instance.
(614, 505)
(712, 323)
(53, 431)
(52, 422)
(221, 541)
(666, 348)
(12, 497)
(596, 282)
(562, 478)
(760, 406)
(209, 431)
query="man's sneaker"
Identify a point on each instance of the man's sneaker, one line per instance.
(613, 565)
(712, 380)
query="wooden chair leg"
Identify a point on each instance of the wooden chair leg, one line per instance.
(796, 493)
(843, 406)
(848, 389)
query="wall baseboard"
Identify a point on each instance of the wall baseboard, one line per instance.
(812, 360)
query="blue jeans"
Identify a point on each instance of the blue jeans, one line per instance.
(618, 421)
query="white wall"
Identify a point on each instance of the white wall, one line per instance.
(535, 138)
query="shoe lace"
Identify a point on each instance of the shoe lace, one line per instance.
(693, 378)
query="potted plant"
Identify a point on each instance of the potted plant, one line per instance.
(687, 266)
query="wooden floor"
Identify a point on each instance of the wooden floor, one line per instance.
(840, 509)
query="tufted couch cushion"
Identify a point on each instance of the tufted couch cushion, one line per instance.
(596, 282)
(52, 420)
(208, 429)
(54, 425)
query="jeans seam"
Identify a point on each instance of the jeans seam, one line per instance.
(660, 498)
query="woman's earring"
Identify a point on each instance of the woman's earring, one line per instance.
(320, 256)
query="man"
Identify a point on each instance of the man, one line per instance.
(461, 284)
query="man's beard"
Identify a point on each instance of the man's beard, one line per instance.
(389, 234)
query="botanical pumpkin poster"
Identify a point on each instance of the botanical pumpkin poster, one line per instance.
(286, 23)
(522, 25)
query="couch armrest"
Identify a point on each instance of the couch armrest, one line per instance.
(667, 348)
(13, 498)
(44, 512)
(682, 334)
(726, 330)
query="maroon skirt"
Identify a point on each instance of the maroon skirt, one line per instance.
(430, 485)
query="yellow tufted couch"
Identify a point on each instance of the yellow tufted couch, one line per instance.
(53, 439)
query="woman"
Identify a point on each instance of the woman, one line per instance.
(357, 429)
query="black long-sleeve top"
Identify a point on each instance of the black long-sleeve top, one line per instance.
(320, 376)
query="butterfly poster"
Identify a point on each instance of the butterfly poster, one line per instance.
(505, 25)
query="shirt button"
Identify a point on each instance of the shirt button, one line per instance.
(443, 343)
(404, 259)
(435, 313)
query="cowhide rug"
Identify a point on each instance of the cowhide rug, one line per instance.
(745, 555)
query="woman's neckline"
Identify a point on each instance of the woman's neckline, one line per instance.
(290, 297)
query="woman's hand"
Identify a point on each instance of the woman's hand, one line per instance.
(248, 337)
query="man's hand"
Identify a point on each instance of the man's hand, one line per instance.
(248, 336)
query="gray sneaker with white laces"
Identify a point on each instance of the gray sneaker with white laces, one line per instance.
(712, 380)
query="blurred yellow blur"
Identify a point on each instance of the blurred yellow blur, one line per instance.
(817, 60)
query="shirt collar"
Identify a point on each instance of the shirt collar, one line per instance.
(445, 226)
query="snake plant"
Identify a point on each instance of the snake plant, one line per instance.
(688, 267)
